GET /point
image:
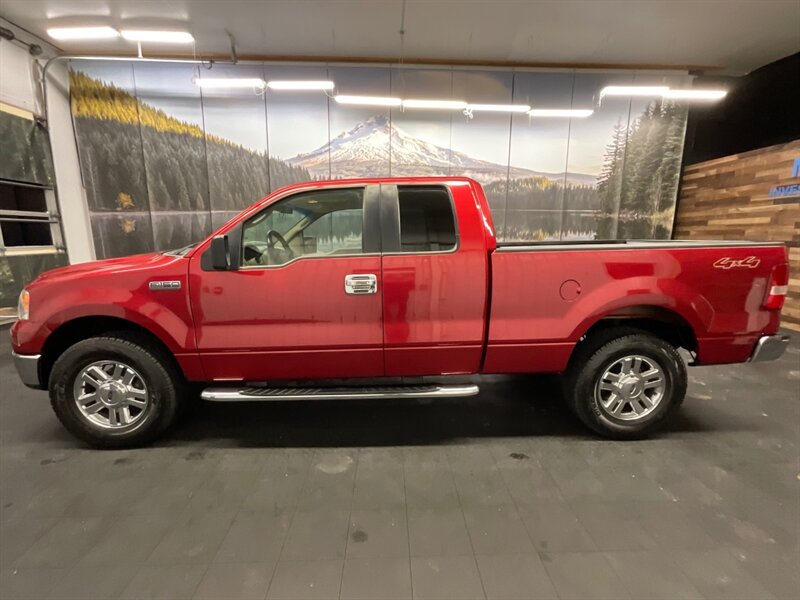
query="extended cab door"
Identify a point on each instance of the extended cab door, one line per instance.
(435, 279)
(302, 299)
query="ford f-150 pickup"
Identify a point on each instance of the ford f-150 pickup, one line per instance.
(376, 288)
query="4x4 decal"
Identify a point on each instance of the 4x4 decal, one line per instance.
(751, 262)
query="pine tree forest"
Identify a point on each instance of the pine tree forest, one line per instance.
(637, 187)
(139, 164)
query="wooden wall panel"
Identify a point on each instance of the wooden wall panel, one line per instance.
(729, 199)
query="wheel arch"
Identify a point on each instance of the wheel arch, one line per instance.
(664, 323)
(82, 328)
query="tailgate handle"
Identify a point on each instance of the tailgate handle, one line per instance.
(360, 284)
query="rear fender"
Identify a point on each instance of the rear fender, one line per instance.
(612, 300)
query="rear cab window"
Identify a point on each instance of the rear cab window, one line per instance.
(427, 220)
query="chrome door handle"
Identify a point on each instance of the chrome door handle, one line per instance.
(360, 284)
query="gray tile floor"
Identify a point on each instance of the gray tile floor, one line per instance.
(499, 496)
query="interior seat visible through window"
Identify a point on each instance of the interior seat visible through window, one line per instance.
(427, 223)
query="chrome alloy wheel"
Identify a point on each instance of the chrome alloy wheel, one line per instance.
(630, 388)
(111, 395)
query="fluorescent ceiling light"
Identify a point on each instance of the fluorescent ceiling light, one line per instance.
(520, 108)
(82, 33)
(634, 90)
(440, 104)
(695, 94)
(368, 100)
(166, 37)
(300, 85)
(229, 82)
(578, 113)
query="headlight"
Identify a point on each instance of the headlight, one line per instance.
(24, 305)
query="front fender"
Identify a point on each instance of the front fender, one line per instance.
(124, 294)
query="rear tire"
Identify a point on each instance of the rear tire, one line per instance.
(625, 384)
(115, 391)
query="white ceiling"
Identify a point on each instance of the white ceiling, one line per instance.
(733, 35)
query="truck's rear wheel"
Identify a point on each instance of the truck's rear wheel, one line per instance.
(625, 387)
(114, 391)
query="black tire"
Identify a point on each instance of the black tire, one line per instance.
(164, 383)
(596, 355)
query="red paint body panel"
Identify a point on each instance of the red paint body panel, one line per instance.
(289, 322)
(435, 303)
(723, 307)
(110, 288)
(478, 308)
(518, 358)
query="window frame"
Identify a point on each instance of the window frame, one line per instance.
(371, 240)
(50, 217)
(390, 219)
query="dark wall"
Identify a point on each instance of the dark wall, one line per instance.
(762, 109)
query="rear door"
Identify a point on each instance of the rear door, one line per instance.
(435, 279)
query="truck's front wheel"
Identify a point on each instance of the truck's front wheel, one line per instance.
(626, 386)
(114, 391)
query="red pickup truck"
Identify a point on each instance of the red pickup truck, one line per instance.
(378, 288)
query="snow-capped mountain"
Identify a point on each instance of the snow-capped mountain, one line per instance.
(364, 150)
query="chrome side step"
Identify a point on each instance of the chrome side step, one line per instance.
(266, 394)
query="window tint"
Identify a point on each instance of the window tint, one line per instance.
(319, 223)
(427, 223)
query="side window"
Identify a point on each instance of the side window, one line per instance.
(427, 223)
(337, 232)
(317, 223)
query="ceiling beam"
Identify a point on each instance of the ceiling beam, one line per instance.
(382, 60)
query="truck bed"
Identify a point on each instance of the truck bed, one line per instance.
(547, 295)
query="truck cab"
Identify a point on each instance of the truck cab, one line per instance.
(345, 282)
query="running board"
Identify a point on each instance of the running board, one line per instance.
(267, 394)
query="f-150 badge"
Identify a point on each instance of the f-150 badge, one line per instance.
(751, 262)
(165, 285)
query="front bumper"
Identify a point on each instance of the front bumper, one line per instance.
(27, 366)
(769, 347)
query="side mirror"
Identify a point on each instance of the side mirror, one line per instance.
(220, 253)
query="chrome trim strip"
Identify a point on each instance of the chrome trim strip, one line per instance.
(243, 394)
(27, 366)
(770, 347)
(299, 258)
(635, 245)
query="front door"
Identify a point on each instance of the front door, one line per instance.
(305, 299)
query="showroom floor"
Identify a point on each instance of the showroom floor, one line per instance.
(499, 496)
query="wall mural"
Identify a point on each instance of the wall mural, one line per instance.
(165, 163)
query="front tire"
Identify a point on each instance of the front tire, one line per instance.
(625, 387)
(115, 391)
